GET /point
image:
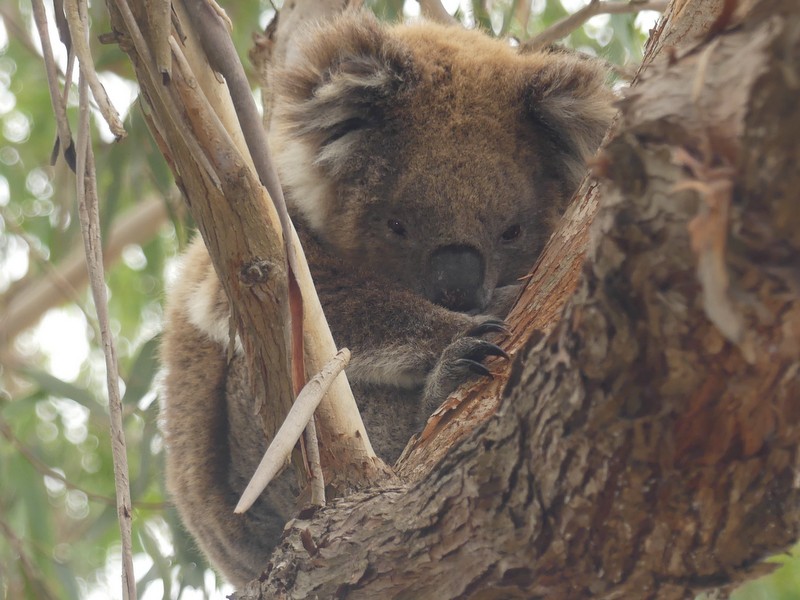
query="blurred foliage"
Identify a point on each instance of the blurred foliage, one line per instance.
(58, 527)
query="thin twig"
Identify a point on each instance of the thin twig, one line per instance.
(64, 101)
(299, 415)
(90, 228)
(570, 23)
(433, 10)
(60, 112)
(8, 433)
(78, 28)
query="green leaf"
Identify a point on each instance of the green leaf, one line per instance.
(63, 389)
(142, 371)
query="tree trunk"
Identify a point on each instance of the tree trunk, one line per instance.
(647, 446)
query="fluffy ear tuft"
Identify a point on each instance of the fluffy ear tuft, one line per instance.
(569, 99)
(343, 81)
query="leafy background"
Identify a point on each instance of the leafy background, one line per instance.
(58, 527)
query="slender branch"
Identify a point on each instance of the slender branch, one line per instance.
(59, 110)
(8, 433)
(433, 10)
(595, 7)
(79, 31)
(90, 228)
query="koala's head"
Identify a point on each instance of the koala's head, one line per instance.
(433, 156)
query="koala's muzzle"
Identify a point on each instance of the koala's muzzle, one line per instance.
(456, 278)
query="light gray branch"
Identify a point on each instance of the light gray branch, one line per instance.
(569, 24)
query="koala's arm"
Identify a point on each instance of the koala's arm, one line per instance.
(396, 336)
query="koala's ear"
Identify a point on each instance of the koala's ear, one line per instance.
(568, 99)
(343, 80)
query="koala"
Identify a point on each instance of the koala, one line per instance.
(424, 167)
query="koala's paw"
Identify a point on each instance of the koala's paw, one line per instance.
(461, 361)
(502, 300)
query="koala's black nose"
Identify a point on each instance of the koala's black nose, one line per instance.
(457, 278)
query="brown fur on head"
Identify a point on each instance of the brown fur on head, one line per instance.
(396, 142)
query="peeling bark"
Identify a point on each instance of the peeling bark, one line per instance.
(640, 449)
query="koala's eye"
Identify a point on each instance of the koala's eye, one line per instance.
(511, 233)
(396, 226)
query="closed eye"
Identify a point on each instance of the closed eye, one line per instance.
(511, 233)
(397, 227)
(345, 127)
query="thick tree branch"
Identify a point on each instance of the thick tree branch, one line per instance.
(636, 452)
(205, 146)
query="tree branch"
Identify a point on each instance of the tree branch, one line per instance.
(136, 226)
(433, 10)
(90, 228)
(206, 149)
(572, 22)
(59, 109)
(633, 435)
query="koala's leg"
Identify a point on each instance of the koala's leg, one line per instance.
(213, 440)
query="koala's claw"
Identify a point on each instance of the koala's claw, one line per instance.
(475, 367)
(488, 326)
(460, 361)
(481, 349)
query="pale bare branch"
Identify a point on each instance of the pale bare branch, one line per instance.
(595, 7)
(433, 10)
(90, 228)
(78, 27)
(62, 283)
(59, 110)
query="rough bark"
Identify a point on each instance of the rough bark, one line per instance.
(554, 278)
(647, 446)
(192, 118)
